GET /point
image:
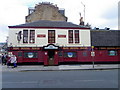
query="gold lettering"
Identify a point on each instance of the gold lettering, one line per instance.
(117, 47)
(110, 48)
(102, 48)
(65, 48)
(25, 48)
(74, 48)
(15, 48)
(35, 48)
(83, 48)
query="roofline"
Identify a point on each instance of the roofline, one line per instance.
(48, 27)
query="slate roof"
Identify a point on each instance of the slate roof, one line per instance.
(46, 23)
(105, 37)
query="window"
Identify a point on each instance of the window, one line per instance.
(60, 54)
(112, 53)
(70, 35)
(76, 36)
(32, 36)
(51, 36)
(25, 36)
(84, 53)
(70, 54)
(30, 55)
(19, 54)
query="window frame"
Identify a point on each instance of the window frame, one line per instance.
(25, 36)
(51, 36)
(70, 36)
(77, 37)
(32, 36)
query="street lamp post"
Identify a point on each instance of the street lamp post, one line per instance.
(93, 54)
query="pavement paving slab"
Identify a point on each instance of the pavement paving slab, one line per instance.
(60, 67)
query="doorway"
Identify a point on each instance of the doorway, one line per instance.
(51, 54)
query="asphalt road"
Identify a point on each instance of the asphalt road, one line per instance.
(61, 79)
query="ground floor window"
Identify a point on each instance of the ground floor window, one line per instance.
(60, 54)
(84, 54)
(19, 54)
(112, 53)
(30, 55)
(70, 54)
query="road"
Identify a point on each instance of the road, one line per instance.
(61, 79)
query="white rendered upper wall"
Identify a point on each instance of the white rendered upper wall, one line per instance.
(84, 37)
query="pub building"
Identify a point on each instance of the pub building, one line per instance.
(52, 41)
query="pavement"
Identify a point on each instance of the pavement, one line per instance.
(21, 68)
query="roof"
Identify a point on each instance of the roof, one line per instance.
(105, 38)
(49, 24)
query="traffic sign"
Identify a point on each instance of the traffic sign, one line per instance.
(93, 53)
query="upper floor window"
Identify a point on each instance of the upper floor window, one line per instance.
(76, 36)
(73, 36)
(70, 35)
(51, 36)
(25, 36)
(32, 36)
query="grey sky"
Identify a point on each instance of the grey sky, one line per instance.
(99, 13)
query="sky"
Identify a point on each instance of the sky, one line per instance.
(98, 13)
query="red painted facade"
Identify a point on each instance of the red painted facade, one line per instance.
(80, 54)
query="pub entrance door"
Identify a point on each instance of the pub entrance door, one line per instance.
(51, 54)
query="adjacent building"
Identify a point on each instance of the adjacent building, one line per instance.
(46, 11)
